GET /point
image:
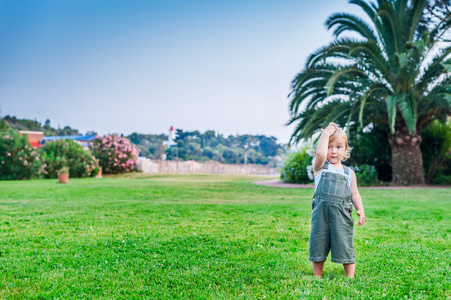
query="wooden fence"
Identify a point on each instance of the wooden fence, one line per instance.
(146, 165)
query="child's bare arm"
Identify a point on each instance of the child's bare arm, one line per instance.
(357, 200)
(321, 150)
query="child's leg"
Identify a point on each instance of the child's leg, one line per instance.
(349, 269)
(318, 268)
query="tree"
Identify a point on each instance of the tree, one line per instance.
(68, 131)
(437, 10)
(395, 74)
(91, 132)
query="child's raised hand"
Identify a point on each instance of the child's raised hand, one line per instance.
(361, 214)
(329, 129)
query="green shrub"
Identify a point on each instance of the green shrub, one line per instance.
(4, 126)
(436, 151)
(116, 154)
(372, 148)
(18, 160)
(366, 175)
(67, 153)
(295, 165)
(441, 178)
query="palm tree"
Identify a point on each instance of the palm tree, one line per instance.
(395, 72)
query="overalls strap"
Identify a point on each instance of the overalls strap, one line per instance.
(346, 169)
(326, 166)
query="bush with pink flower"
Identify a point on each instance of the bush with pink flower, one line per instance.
(115, 154)
(18, 159)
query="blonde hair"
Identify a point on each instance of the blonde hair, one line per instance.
(340, 133)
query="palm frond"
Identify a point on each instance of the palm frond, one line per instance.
(436, 68)
(375, 55)
(408, 109)
(347, 22)
(391, 109)
(376, 86)
(371, 11)
(414, 16)
(312, 120)
(434, 99)
(353, 70)
(337, 49)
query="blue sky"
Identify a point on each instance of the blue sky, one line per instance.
(141, 66)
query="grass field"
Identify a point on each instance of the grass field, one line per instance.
(211, 237)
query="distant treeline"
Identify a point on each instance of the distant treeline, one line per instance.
(189, 145)
(9, 122)
(193, 145)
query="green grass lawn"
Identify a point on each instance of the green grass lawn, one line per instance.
(211, 237)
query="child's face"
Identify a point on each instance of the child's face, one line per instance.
(336, 150)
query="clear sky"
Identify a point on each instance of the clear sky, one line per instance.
(123, 66)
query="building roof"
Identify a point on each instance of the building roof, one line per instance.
(81, 138)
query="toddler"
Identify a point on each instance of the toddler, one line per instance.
(335, 193)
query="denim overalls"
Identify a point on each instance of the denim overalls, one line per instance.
(332, 223)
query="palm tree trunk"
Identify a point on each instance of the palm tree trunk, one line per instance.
(407, 161)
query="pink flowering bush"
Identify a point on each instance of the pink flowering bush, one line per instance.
(116, 154)
(68, 153)
(18, 159)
